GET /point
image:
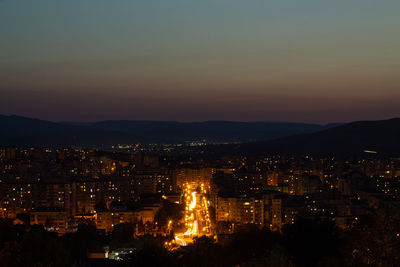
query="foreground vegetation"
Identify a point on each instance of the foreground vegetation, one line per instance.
(373, 241)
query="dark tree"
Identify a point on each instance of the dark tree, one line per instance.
(203, 252)
(37, 248)
(251, 243)
(122, 234)
(311, 241)
(375, 240)
(169, 211)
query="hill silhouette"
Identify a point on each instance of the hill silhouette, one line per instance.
(357, 137)
(18, 130)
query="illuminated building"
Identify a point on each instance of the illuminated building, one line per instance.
(52, 218)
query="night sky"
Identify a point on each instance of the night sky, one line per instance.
(243, 60)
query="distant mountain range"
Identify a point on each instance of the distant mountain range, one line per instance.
(16, 130)
(382, 137)
(254, 137)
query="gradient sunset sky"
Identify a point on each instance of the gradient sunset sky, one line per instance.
(188, 60)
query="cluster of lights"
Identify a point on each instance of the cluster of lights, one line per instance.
(196, 213)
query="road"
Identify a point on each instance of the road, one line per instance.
(197, 218)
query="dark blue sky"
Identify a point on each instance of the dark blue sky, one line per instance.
(313, 61)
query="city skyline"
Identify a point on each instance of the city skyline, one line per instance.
(213, 60)
(199, 133)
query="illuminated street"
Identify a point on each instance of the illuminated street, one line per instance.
(197, 218)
